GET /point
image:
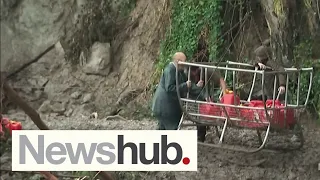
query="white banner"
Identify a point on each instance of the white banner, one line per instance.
(107, 150)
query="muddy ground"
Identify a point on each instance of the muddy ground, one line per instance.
(212, 163)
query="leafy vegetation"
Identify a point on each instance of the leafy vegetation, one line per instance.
(88, 174)
(189, 19)
(302, 54)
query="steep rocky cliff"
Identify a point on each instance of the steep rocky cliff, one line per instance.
(29, 27)
(113, 49)
(115, 67)
(105, 68)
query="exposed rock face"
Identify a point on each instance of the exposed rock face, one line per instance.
(51, 85)
(99, 62)
(135, 58)
(31, 27)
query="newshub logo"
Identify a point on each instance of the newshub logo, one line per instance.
(92, 150)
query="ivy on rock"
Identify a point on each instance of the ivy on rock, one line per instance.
(188, 19)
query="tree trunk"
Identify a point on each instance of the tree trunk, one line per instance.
(280, 16)
(313, 15)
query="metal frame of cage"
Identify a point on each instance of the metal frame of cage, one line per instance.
(227, 121)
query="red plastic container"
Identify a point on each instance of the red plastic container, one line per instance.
(254, 116)
(230, 99)
(3, 123)
(9, 125)
(259, 114)
(277, 116)
(13, 125)
(208, 109)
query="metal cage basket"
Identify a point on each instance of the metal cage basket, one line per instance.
(258, 115)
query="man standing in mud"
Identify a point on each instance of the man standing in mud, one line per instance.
(263, 58)
(166, 107)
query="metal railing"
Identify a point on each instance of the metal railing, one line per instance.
(235, 68)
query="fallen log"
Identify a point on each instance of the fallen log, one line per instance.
(15, 98)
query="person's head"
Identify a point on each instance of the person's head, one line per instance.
(177, 57)
(263, 54)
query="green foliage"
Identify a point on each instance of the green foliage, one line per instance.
(129, 175)
(189, 19)
(88, 174)
(302, 53)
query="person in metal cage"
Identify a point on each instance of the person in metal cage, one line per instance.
(263, 58)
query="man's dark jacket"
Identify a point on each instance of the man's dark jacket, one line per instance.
(165, 101)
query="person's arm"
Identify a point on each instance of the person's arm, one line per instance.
(223, 85)
(218, 79)
(256, 58)
(170, 81)
(198, 92)
(262, 54)
(278, 67)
